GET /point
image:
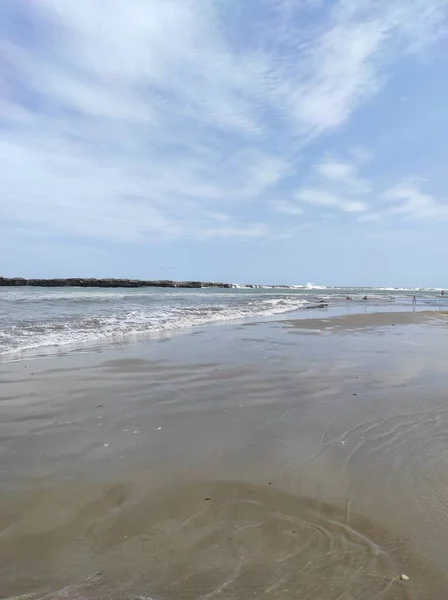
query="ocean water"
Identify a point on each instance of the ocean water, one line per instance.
(40, 320)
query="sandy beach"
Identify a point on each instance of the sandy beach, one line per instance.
(285, 459)
(223, 300)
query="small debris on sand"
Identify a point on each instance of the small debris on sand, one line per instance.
(404, 577)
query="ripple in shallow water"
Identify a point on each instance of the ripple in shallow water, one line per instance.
(226, 540)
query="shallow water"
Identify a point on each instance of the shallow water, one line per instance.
(196, 539)
(42, 320)
(237, 462)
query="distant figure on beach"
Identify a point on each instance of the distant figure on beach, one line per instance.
(348, 298)
(442, 293)
(414, 300)
(365, 298)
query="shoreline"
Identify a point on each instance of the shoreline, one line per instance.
(303, 321)
(40, 318)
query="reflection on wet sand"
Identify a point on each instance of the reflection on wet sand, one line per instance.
(230, 465)
(195, 540)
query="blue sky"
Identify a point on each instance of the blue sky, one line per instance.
(267, 141)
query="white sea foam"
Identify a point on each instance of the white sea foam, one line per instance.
(307, 286)
(83, 329)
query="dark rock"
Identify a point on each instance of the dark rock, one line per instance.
(320, 305)
(107, 283)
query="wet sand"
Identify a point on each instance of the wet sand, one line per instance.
(352, 322)
(232, 462)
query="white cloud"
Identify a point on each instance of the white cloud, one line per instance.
(406, 201)
(146, 119)
(285, 207)
(335, 184)
(348, 61)
(322, 198)
(338, 75)
(335, 170)
(317, 197)
(412, 203)
(343, 173)
(254, 230)
(354, 206)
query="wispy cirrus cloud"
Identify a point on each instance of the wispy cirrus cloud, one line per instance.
(323, 198)
(409, 201)
(134, 121)
(345, 173)
(406, 202)
(286, 208)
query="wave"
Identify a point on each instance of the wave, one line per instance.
(105, 296)
(34, 318)
(306, 286)
(130, 323)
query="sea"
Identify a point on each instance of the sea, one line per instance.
(40, 321)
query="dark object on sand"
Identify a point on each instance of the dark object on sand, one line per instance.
(320, 305)
(365, 298)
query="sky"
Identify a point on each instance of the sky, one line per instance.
(255, 141)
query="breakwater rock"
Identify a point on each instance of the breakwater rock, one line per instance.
(108, 283)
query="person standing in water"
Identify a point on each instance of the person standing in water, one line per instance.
(414, 300)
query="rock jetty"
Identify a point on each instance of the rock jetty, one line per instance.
(108, 283)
